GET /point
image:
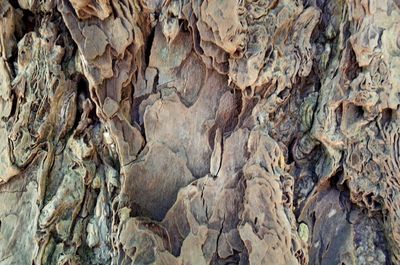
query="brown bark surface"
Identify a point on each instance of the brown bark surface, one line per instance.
(194, 132)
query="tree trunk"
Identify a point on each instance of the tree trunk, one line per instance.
(199, 132)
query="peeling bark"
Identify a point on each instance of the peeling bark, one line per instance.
(199, 132)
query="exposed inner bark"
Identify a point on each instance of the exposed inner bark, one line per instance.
(199, 132)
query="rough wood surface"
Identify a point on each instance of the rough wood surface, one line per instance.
(191, 132)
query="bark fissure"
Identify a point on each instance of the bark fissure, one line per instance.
(199, 132)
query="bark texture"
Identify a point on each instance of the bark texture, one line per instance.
(191, 132)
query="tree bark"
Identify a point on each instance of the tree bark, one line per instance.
(199, 132)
